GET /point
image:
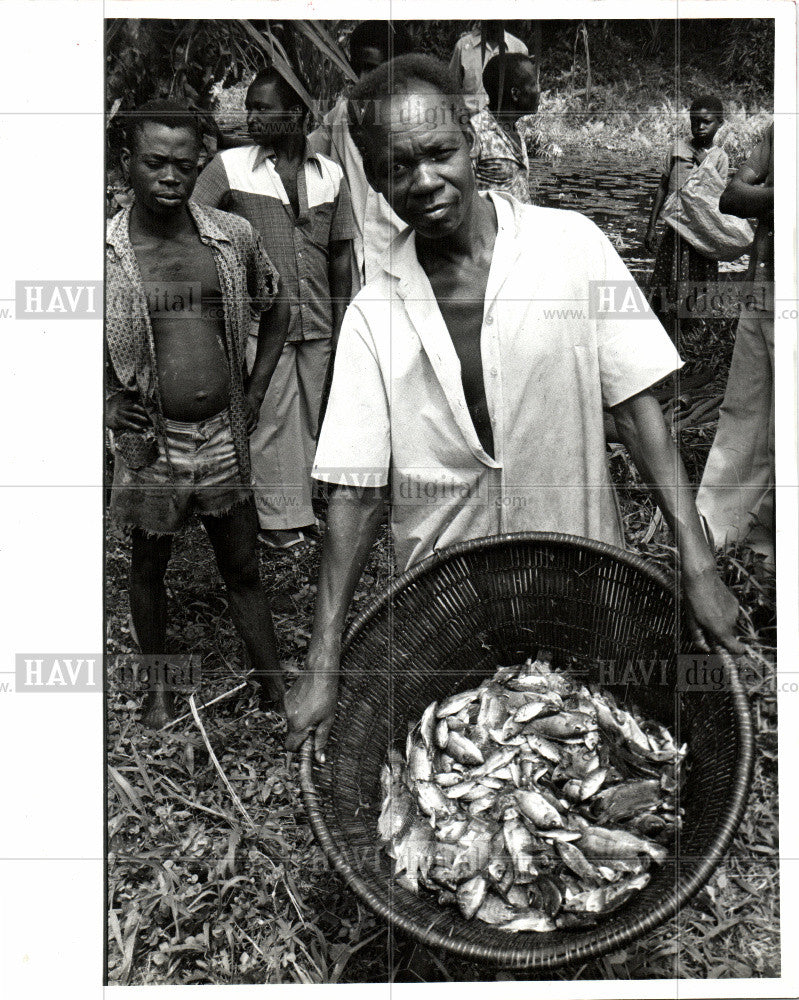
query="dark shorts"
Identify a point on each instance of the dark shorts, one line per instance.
(206, 479)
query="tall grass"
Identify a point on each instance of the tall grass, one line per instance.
(634, 122)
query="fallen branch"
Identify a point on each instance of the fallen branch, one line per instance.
(231, 790)
(206, 704)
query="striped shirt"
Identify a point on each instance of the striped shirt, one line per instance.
(245, 181)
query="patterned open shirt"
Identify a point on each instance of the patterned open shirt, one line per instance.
(499, 163)
(248, 282)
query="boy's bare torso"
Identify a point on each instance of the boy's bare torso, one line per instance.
(192, 369)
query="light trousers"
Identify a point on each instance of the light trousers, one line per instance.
(736, 495)
(283, 444)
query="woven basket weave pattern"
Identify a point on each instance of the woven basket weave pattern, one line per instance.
(443, 627)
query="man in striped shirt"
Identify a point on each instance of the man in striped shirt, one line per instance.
(299, 204)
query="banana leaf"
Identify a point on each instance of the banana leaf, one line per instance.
(324, 42)
(279, 59)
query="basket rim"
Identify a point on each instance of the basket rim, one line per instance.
(529, 951)
(449, 552)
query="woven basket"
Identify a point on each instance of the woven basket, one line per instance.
(445, 625)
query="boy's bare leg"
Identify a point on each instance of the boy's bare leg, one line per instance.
(148, 563)
(233, 536)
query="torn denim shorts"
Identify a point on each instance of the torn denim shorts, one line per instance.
(205, 478)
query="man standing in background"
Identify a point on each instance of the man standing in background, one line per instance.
(296, 199)
(472, 52)
(499, 152)
(736, 495)
(370, 44)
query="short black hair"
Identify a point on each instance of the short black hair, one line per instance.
(288, 95)
(707, 102)
(386, 36)
(162, 112)
(397, 76)
(513, 64)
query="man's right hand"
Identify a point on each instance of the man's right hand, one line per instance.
(124, 412)
(650, 240)
(311, 706)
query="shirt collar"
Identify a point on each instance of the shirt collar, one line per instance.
(264, 153)
(118, 231)
(401, 262)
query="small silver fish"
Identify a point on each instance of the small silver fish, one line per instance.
(397, 813)
(536, 808)
(531, 920)
(427, 725)
(471, 894)
(454, 704)
(448, 778)
(432, 800)
(463, 750)
(480, 805)
(622, 802)
(462, 788)
(494, 761)
(549, 751)
(562, 726)
(442, 734)
(420, 767)
(592, 782)
(412, 853)
(494, 911)
(519, 844)
(531, 710)
(577, 861)
(451, 830)
(599, 842)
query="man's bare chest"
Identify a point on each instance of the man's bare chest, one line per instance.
(461, 301)
(178, 262)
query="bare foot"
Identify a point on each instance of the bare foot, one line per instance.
(158, 709)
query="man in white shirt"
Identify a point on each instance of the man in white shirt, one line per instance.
(470, 56)
(459, 387)
(370, 45)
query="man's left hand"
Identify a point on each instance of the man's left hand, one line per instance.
(714, 608)
(252, 409)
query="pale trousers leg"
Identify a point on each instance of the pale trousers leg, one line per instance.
(736, 495)
(283, 445)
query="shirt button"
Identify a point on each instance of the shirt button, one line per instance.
(489, 319)
(494, 372)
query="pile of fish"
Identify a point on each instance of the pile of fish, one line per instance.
(532, 802)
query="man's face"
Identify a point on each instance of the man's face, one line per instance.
(268, 117)
(364, 60)
(162, 166)
(704, 125)
(419, 161)
(524, 92)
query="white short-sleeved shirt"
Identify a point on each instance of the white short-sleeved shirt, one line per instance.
(397, 411)
(467, 57)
